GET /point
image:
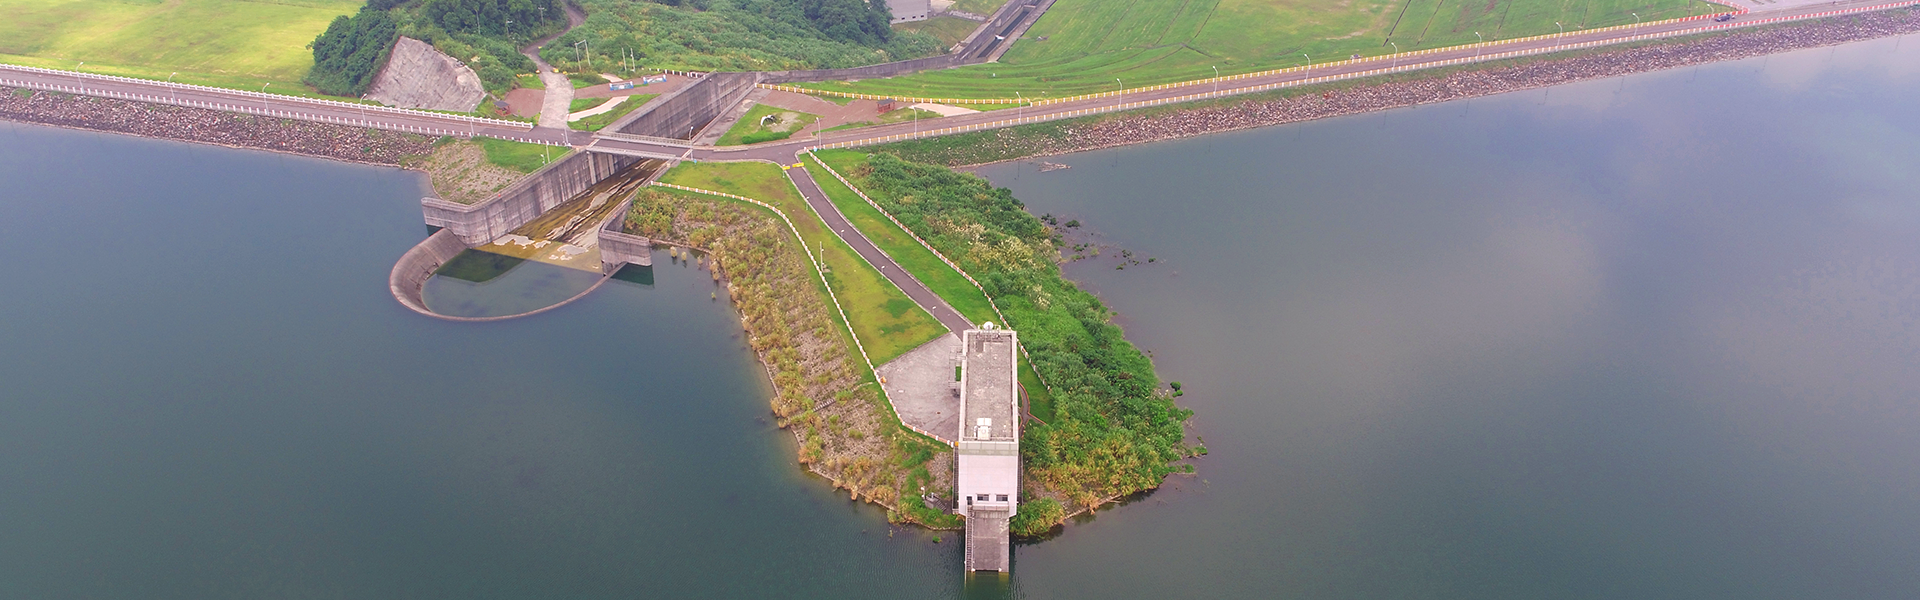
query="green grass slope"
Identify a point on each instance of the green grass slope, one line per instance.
(229, 43)
(1088, 44)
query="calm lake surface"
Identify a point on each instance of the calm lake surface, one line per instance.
(1643, 339)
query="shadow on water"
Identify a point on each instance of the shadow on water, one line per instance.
(477, 266)
(635, 274)
(985, 585)
(517, 288)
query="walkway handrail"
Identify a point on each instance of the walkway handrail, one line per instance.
(816, 270)
(465, 119)
(943, 258)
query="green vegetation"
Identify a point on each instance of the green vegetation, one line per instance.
(586, 80)
(764, 123)
(529, 81)
(949, 284)
(733, 35)
(488, 17)
(823, 391)
(519, 156)
(1088, 44)
(887, 327)
(1037, 517)
(228, 43)
(949, 30)
(580, 104)
(895, 116)
(1115, 430)
(351, 52)
(983, 8)
(596, 122)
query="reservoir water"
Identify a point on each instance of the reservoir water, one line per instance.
(1651, 338)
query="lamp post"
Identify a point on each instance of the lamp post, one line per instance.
(1476, 47)
(1216, 80)
(1020, 109)
(1563, 28)
(77, 82)
(1123, 91)
(1396, 54)
(1636, 17)
(263, 97)
(1309, 65)
(170, 94)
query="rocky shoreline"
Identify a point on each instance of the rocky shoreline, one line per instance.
(1333, 100)
(339, 142)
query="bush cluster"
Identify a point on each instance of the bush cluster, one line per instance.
(1116, 430)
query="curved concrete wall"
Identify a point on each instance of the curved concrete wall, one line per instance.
(418, 264)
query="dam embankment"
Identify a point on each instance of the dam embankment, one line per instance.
(338, 142)
(1306, 104)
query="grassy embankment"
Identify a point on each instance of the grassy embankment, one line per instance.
(949, 284)
(1089, 43)
(949, 30)
(222, 43)
(895, 116)
(824, 392)
(594, 123)
(751, 129)
(1009, 143)
(1115, 430)
(468, 171)
(889, 323)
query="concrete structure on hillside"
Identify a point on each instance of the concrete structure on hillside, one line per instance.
(520, 203)
(418, 76)
(988, 446)
(910, 10)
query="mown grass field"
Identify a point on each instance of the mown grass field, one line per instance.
(1088, 44)
(750, 130)
(227, 43)
(888, 323)
(596, 122)
(948, 283)
(949, 30)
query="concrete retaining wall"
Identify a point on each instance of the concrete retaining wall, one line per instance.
(483, 222)
(411, 273)
(619, 248)
(681, 113)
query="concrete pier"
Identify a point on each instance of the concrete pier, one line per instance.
(988, 445)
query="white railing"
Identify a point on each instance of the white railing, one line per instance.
(80, 80)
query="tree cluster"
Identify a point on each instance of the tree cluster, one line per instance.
(489, 17)
(351, 51)
(737, 35)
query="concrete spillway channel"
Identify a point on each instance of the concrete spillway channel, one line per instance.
(568, 213)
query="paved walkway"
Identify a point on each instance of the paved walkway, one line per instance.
(928, 300)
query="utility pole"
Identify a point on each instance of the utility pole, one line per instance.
(509, 31)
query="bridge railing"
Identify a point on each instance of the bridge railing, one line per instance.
(367, 109)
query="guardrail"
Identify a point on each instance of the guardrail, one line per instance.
(1394, 57)
(936, 253)
(1344, 76)
(646, 139)
(367, 109)
(816, 270)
